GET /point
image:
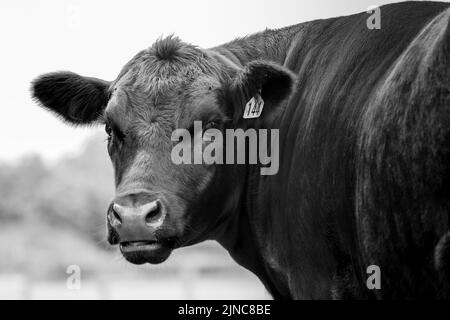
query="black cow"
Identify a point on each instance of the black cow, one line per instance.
(364, 124)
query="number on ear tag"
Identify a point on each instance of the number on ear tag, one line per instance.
(254, 107)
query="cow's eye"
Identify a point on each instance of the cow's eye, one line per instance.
(108, 131)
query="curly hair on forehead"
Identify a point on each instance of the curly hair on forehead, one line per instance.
(171, 48)
(168, 64)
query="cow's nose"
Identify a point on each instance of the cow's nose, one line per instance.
(136, 223)
(148, 212)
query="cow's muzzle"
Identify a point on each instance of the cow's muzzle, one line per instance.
(135, 230)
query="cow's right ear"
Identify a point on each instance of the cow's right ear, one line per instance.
(76, 99)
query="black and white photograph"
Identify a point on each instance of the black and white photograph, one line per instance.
(230, 151)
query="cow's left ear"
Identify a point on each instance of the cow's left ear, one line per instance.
(270, 81)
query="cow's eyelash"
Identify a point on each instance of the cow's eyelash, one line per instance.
(108, 129)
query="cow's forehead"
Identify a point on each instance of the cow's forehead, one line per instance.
(179, 102)
(179, 93)
(162, 81)
(169, 64)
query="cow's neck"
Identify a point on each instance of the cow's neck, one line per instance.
(270, 45)
(239, 238)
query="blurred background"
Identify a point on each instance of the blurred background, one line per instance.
(56, 181)
(52, 218)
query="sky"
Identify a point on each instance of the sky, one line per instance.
(96, 38)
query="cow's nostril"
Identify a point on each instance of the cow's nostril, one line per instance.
(154, 212)
(116, 219)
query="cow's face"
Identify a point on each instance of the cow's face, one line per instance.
(160, 205)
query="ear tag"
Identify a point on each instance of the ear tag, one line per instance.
(254, 107)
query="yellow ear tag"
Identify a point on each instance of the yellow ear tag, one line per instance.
(254, 107)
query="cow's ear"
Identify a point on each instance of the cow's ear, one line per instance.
(270, 81)
(76, 99)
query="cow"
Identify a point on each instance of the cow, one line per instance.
(364, 142)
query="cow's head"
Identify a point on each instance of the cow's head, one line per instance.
(160, 205)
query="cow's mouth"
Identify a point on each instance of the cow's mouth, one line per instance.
(139, 252)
